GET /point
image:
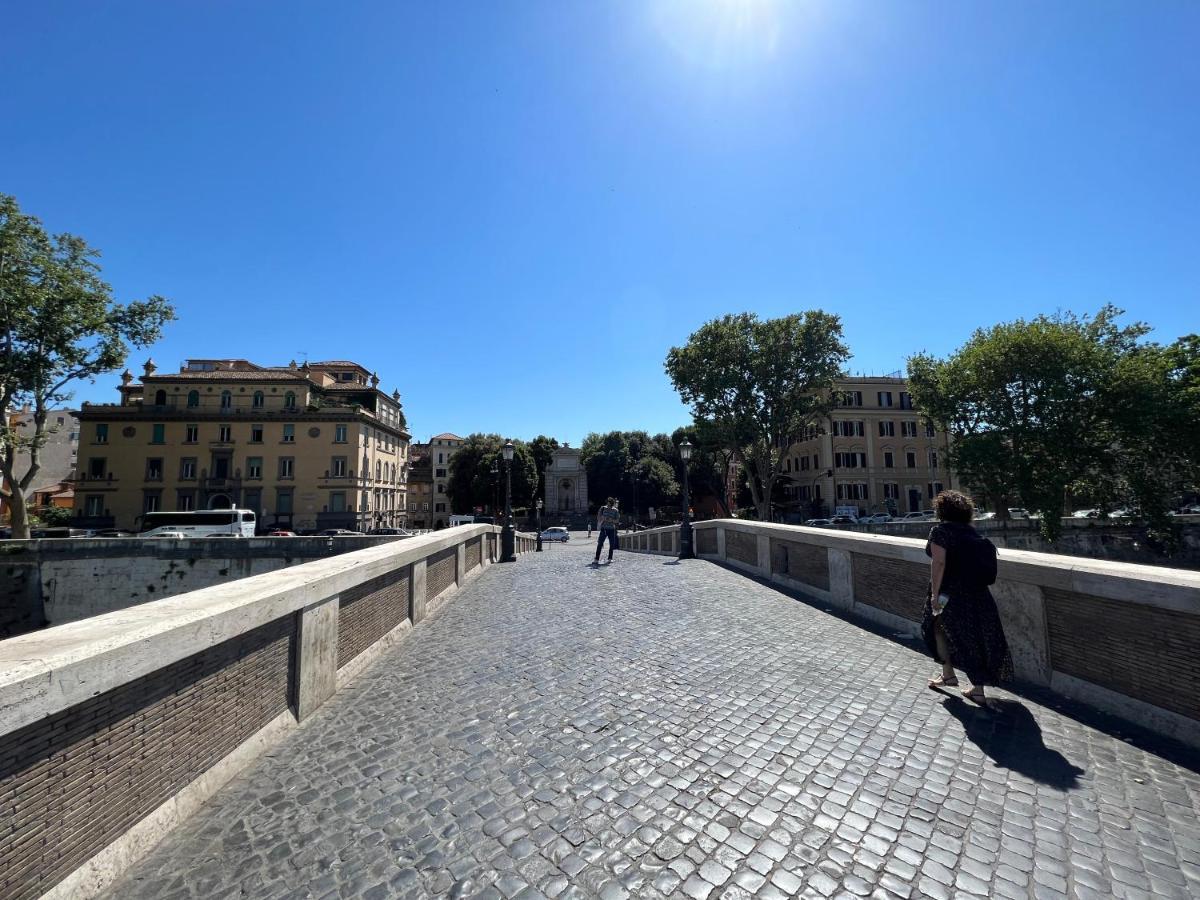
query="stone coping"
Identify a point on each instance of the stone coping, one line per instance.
(1159, 586)
(46, 671)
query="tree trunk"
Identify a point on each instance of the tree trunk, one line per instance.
(19, 514)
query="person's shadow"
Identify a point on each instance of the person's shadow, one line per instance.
(1008, 733)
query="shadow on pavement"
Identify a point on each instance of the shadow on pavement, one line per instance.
(1007, 732)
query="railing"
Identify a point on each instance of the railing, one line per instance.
(139, 715)
(1119, 636)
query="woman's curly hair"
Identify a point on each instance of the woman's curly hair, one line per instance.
(953, 506)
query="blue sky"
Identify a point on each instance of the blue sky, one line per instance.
(512, 210)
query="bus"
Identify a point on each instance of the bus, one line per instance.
(201, 523)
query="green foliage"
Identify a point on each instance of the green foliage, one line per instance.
(1065, 404)
(53, 517)
(759, 383)
(542, 448)
(636, 468)
(471, 482)
(59, 324)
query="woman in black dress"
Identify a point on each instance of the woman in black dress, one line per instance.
(961, 624)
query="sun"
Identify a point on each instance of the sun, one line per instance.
(720, 33)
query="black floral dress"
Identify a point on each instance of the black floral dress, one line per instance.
(970, 621)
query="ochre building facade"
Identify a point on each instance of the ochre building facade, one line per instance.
(313, 446)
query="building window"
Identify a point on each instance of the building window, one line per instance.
(101, 433)
(289, 400)
(850, 398)
(905, 400)
(910, 459)
(97, 467)
(439, 507)
(337, 467)
(908, 429)
(93, 505)
(441, 489)
(440, 459)
(850, 460)
(378, 470)
(891, 491)
(225, 434)
(885, 398)
(254, 467)
(154, 469)
(193, 399)
(152, 501)
(256, 434)
(160, 398)
(226, 400)
(339, 434)
(185, 501)
(337, 501)
(929, 430)
(191, 434)
(259, 400)
(887, 429)
(933, 460)
(287, 465)
(283, 502)
(187, 468)
(289, 433)
(889, 459)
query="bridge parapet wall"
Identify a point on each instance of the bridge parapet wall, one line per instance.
(114, 728)
(1119, 636)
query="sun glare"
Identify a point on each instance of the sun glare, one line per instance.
(720, 33)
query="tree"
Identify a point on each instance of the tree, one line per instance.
(471, 482)
(542, 448)
(1039, 409)
(638, 469)
(59, 324)
(760, 383)
(708, 469)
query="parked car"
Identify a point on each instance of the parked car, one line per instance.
(877, 519)
(173, 535)
(818, 523)
(114, 533)
(397, 532)
(337, 532)
(915, 516)
(1018, 512)
(557, 533)
(985, 516)
(1086, 514)
(280, 532)
(844, 520)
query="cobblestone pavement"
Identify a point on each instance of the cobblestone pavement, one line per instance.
(651, 729)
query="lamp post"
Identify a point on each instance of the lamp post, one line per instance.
(686, 551)
(539, 524)
(508, 537)
(495, 470)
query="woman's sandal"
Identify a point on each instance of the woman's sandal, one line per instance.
(942, 681)
(975, 695)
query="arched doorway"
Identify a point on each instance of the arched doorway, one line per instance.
(566, 495)
(220, 501)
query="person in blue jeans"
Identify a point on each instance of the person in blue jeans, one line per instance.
(607, 521)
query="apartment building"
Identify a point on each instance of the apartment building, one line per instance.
(876, 453)
(439, 451)
(419, 498)
(309, 446)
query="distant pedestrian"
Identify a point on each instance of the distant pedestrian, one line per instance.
(607, 521)
(961, 624)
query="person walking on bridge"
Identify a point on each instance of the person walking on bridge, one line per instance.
(607, 521)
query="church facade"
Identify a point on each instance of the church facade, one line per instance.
(566, 484)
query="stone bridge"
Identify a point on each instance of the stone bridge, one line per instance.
(650, 728)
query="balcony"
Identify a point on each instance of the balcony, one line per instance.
(221, 484)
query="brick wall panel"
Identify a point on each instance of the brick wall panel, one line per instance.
(706, 541)
(474, 554)
(893, 585)
(369, 611)
(1149, 654)
(439, 572)
(74, 782)
(803, 562)
(742, 547)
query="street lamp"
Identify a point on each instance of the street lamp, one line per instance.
(686, 551)
(508, 537)
(539, 524)
(495, 470)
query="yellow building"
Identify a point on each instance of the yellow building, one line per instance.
(306, 447)
(876, 453)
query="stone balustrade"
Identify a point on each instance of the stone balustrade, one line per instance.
(1121, 637)
(114, 728)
